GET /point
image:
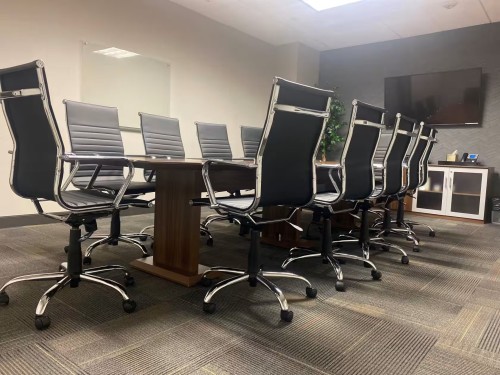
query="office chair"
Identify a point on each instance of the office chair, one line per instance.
(285, 175)
(352, 180)
(37, 173)
(214, 144)
(416, 175)
(390, 177)
(94, 129)
(250, 139)
(162, 139)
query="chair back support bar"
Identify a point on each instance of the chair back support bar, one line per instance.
(358, 180)
(214, 142)
(161, 136)
(36, 169)
(250, 139)
(425, 159)
(286, 154)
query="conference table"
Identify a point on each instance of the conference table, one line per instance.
(177, 223)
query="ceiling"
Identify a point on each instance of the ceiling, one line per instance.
(288, 21)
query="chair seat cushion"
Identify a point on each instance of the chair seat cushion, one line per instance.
(240, 203)
(135, 187)
(82, 198)
(328, 197)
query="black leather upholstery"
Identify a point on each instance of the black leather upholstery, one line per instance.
(250, 139)
(94, 129)
(162, 137)
(214, 142)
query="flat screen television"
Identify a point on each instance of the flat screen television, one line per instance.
(445, 98)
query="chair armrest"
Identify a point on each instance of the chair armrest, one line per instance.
(332, 168)
(100, 161)
(206, 174)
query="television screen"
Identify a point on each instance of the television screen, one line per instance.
(446, 98)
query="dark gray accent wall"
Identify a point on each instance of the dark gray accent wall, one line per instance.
(359, 73)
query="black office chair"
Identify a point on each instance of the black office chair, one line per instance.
(94, 130)
(37, 174)
(390, 179)
(214, 144)
(416, 175)
(352, 180)
(250, 139)
(162, 139)
(285, 176)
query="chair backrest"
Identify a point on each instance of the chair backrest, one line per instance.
(94, 130)
(214, 142)
(286, 156)
(416, 156)
(356, 162)
(161, 136)
(250, 139)
(36, 169)
(425, 159)
(404, 131)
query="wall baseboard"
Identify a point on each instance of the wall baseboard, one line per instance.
(36, 219)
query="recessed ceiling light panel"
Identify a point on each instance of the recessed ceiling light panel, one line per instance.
(320, 5)
(116, 53)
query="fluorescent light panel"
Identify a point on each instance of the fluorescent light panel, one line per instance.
(116, 52)
(320, 5)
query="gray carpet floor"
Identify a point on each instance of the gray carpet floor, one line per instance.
(438, 315)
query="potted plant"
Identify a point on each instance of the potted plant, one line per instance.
(336, 121)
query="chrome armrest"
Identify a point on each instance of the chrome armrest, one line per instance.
(206, 178)
(100, 161)
(332, 168)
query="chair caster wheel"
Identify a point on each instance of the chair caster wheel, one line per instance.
(87, 261)
(62, 269)
(42, 322)
(405, 259)
(210, 242)
(143, 238)
(205, 281)
(129, 306)
(416, 249)
(385, 247)
(376, 275)
(339, 286)
(4, 299)
(66, 249)
(432, 234)
(286, 315)
(311, 292)
(209, 307)
(129, 281)
(145, 255)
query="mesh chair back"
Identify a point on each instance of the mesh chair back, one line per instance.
(425, 159)
(287, 151)
(393, 162)
(359, 149)
(214, 142)
(162, 137)
(36, 170)
(94, 129)
(250, 138)
(416, 156)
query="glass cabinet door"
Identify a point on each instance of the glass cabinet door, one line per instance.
(430, 196)
(467, 186)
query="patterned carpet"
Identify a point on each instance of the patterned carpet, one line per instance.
(438, 315)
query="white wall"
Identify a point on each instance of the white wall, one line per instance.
(217, 74)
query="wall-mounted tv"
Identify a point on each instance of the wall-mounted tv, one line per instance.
(446, 98)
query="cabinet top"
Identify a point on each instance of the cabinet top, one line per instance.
(461, 166)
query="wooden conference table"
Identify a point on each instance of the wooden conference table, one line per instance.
(176, 223)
